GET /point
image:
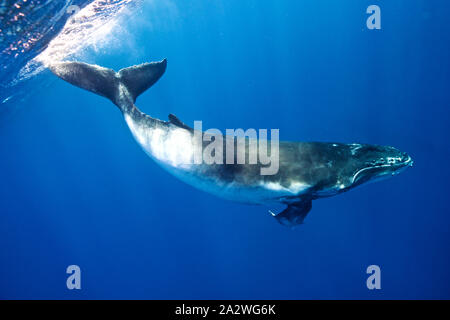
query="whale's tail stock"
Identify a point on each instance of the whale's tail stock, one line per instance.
(106, 82)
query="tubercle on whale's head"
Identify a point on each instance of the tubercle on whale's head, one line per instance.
(373, 162)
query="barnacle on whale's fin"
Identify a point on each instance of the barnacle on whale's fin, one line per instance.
(294, 214)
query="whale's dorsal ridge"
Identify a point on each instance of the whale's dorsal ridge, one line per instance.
(175, 121)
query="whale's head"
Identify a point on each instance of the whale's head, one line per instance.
(372, 162)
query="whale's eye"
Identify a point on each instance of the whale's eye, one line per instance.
(393, 160)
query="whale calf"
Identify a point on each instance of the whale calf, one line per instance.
(307, 170)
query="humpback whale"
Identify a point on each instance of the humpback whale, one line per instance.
(307, 170)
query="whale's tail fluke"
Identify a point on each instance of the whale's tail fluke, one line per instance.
(141, 77)
(106, 82)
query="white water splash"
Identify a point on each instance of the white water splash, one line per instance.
(88, 27)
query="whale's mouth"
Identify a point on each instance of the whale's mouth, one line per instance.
(382, 168)
(367, 173)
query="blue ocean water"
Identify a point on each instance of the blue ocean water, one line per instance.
(75, 188)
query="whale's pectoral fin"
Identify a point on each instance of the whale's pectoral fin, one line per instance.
(139, 78)
(294, 214)
(174, 120)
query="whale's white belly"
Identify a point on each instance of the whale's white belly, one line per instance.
(172, 147)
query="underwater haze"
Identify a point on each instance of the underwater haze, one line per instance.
(76, 189)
